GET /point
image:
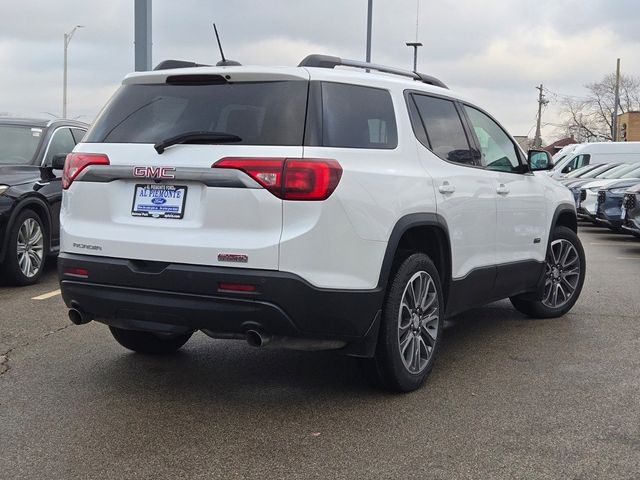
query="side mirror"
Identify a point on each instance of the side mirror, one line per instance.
(57, 162)
(539, 160)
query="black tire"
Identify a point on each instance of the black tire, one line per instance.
(148, 342)
(537, 308)
(387, 369)
(12, 270)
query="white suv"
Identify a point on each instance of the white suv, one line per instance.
(311, 208)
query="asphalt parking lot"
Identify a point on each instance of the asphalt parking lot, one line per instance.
(509, 397)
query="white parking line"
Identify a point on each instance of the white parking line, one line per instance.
(627, 258)
(610, 243)
(44, 296)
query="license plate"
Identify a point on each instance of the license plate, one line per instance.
(159, 201)
(623, 213)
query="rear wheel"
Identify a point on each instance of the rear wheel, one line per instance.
(26, 251)
(564, 276)
(149, 342)
(411, 327)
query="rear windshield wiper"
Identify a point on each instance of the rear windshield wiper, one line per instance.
(205, 138)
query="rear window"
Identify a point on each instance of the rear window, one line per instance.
(18, 144)
(354, 116)
(260, 113)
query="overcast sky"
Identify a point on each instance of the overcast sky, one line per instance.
(495, 51)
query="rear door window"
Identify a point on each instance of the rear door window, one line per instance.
(354, 116)
(61, 142)
(445, 132)
(260, 113)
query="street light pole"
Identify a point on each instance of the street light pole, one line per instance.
(369, 27)
(67, 39)
(415, 46)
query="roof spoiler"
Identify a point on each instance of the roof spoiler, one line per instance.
(169, 64)
(328, 61)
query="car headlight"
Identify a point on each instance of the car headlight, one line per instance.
(618, 191)
(594, 189)
(3, 188)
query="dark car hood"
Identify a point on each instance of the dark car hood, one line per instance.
(17, 174)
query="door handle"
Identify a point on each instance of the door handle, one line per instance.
(446, 187)
(503, 189)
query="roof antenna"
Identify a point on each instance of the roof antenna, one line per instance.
(224, 62)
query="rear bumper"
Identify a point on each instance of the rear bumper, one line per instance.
(176, 297)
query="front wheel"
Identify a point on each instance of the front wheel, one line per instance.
(565, 270)
(149, 342)
(411, 326)
(27, 248)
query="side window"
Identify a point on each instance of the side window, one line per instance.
(61, 142)
(357, 117)
(576, 162)
(498, 151)
(445, 132)
(78, 134)
(583, 160)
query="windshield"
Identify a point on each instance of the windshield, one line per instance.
(18, 144)
(634, 173)
(260, 113)
(596, 171)
(617, 172)
(581, 171)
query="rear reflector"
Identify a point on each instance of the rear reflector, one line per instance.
(76, 272)
(290, 178)
(76, 162)
(236, 287)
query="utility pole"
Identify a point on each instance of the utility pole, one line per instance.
(537, 141)
(614, 123)
(369, 25)
(142, 35)
(67, 40)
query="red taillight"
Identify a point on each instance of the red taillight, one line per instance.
(76, 272)
(236, 287)
(290, 178)
(76, 162)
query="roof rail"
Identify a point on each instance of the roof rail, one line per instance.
(328, 61)
(169, 64)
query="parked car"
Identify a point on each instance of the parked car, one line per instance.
(30, 192)
(311, 208)
(609, 206)
(600, 152)
(574, 184)
(630, 213)
(589, 191)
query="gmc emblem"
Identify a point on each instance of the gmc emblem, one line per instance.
(154, 172)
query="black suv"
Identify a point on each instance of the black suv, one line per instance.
(31, 192)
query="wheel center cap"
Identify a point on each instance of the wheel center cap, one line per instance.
(416, 322)
(556, 272)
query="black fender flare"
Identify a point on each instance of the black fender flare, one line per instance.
(562, 209)
(404, 224)
(21, 204)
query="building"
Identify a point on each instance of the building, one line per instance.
(629, 127)
(558, 145)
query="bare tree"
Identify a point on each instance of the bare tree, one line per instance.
(590, 118)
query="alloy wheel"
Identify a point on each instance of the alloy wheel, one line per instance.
(562, 273)
(30, 247)
(418, 322)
